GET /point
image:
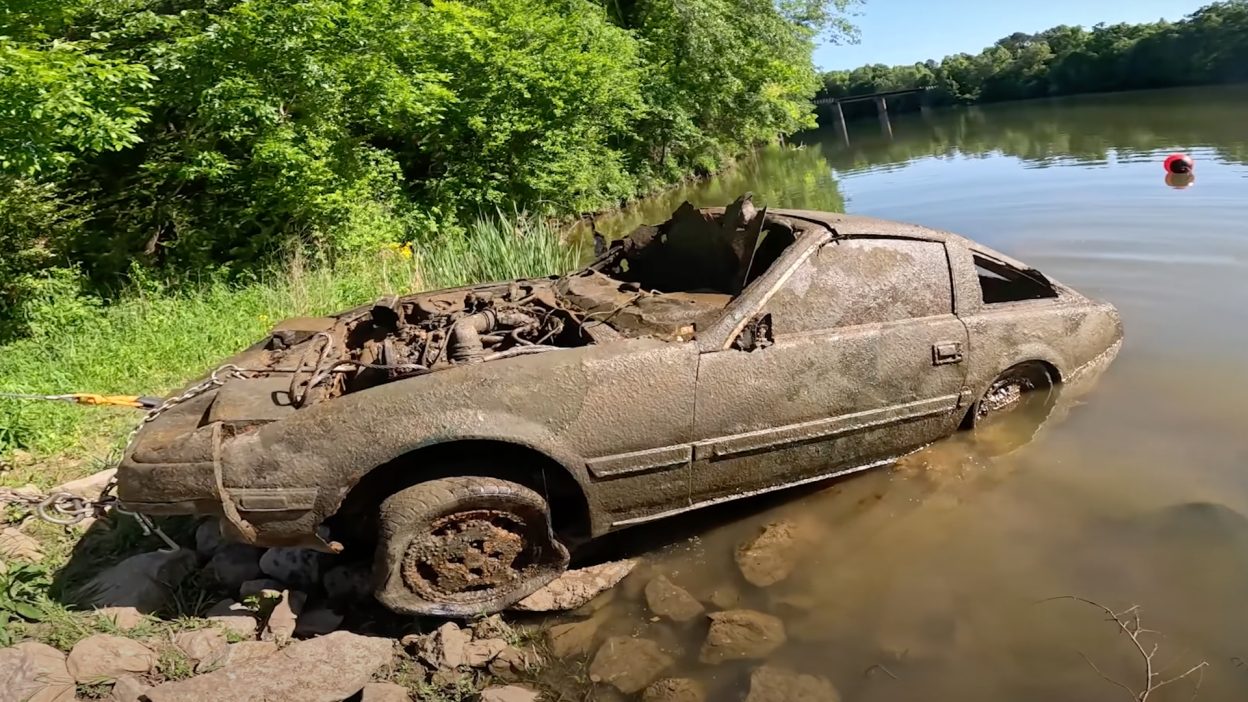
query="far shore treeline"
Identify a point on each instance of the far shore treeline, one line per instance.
(1210, 46)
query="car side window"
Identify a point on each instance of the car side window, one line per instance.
(848, 282)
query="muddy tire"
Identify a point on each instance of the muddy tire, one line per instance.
(460, 547)
(1007, 392)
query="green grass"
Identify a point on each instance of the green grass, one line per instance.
(155, 339)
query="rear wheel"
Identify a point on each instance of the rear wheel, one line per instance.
(464, 546)
(1013, 409)
(1008, 392)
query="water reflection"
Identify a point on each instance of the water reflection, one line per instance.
(1134, 493)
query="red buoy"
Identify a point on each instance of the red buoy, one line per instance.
(1179, 164)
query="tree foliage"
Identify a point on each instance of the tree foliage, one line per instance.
(202, 135)
(1210, 46)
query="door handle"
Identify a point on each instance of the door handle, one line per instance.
(945, 352)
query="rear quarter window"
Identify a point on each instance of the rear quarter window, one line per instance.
(849, 282)
(999, 282)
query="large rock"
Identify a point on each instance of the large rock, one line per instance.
(201, 645)
(129, 688)
(325, 669)
(774, 684)
(739, 634)
(34, 672)
(144, 581)
(576, 587)
(629, 664)
(233, 617)
(282, 621)
(675, 690)
(348, 582)
(88, 488)
(14, 545)
(105, 657)
(724, 596)
(508, 693)
(444, 648)
(297, 567)
(234, 564)
(771, 556)
(384, 692)
(208, 538)
(667, 599)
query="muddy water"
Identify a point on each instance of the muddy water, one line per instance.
(928, 581)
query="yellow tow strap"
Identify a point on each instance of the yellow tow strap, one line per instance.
(87, 398)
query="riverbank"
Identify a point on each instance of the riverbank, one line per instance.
(154, 338)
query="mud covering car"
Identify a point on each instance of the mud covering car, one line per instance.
(468, 438)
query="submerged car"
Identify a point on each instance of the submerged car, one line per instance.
(471, 436)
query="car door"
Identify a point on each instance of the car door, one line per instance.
(866, 363)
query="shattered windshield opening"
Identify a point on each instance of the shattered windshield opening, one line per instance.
(671, 279)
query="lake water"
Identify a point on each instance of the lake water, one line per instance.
(929, 581)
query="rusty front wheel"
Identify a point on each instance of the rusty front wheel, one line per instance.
(464, 546)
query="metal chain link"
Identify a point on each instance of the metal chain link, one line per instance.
(65, 509)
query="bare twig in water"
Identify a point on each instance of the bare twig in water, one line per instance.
(880, 667)
(1128, 622)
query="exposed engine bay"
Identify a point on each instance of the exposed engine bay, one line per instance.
(662, 282)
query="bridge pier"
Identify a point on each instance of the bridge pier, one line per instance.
(840, 122)
(881, 107)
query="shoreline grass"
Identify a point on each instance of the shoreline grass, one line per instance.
(154, 339)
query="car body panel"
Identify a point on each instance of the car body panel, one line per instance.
(644, 426)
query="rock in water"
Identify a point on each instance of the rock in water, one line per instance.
(774, 684)
(575, 638)
(675, 690)
(576, 587)
(508, 693)
(667, 599)
(629, 664)
(738, 634)
(325, 669)
(105, 657)
(34, 672)
(144, 581)
(771, 556)
(384, 692)
(297, 567)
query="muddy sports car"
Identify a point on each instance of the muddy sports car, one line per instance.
(472, 436)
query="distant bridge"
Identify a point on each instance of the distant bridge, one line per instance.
(881, 107)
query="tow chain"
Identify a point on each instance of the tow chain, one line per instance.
(66, 509)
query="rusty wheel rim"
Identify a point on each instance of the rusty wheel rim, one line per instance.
(468, 556)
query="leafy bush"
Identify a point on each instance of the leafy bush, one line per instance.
(214, 135)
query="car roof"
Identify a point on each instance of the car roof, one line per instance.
(858, 225)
